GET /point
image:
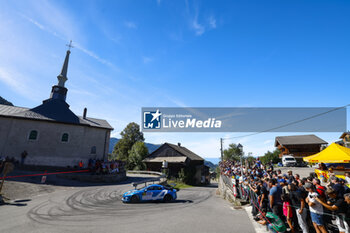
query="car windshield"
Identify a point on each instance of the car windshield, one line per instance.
(290, 159)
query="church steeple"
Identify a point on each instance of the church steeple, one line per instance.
(59, 91)
(62, 77)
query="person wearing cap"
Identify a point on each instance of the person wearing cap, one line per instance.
(284, 186)
(316, 208)
(337, 186)
(338, 207)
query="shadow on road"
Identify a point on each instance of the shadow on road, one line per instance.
(17, 202)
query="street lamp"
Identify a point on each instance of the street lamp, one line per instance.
(240, 147)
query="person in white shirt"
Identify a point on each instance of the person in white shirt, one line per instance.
(347, 177)
(316, 208)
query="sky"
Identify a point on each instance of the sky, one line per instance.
(162, 53)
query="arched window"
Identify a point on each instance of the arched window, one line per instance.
(33, 135)
(65, 137)
(93, 150)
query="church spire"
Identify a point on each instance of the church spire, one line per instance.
(62, 77)
(59, 92)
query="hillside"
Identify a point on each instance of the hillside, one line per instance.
(151, 147)
(210, 165)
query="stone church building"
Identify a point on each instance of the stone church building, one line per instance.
(51, 134)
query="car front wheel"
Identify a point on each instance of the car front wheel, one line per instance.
(134, 199)
(168, 198)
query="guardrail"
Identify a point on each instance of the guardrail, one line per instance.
(150, 180)
(146, 172)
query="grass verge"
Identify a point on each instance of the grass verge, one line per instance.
(179, 184)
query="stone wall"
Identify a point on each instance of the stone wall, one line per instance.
(225, 192)
(110, 178)
(48, 149)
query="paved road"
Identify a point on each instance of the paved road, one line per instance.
(302, 171)
(99, 209)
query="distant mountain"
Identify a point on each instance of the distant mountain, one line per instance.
(151, 147)
(5, 102)
(210, 165)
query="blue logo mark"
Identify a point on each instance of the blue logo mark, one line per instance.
(152, 120)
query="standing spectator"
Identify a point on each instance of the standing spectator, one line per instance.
(270, 167)
(263, 195)
(287, 211)
(347, 177)
(316, 208)
(337, 186)
(338, 206)
(258, 163)
(298, 203)
(331, 173)
(275, 198)
(347, 200)
(321, 190)
(290, 176)
(23, 157)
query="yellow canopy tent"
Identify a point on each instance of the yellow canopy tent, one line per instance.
(332, 154)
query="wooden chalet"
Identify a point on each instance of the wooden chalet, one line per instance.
(299, 145)
(178, 157)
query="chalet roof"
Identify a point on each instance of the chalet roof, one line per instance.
(52, 110)
(299, 140)
(344, 134)
(186, 153)
(177, 159)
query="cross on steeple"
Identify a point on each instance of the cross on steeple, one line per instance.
(70, 45)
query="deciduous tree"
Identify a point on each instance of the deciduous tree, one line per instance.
(130, 135)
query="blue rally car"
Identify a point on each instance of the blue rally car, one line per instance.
(154, 192)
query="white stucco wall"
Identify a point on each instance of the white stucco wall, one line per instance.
(48, 148)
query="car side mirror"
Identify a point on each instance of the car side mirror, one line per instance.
(145, 190)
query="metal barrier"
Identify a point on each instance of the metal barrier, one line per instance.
(150, 180)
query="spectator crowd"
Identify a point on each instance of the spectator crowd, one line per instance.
(288, 202)
(98, 167)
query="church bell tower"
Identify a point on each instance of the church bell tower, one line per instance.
(59, 91)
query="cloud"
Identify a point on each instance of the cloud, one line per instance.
(147, 60)
(17, 82)
(198, 28)
(76, 45)
(158, 2)
(212, 22)
(130, 25)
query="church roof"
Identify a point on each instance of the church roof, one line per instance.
(53, 111)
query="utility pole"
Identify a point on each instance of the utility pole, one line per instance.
(221, 150)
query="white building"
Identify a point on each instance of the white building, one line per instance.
(51, 134)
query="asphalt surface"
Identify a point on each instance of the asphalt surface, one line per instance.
(99, 209)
